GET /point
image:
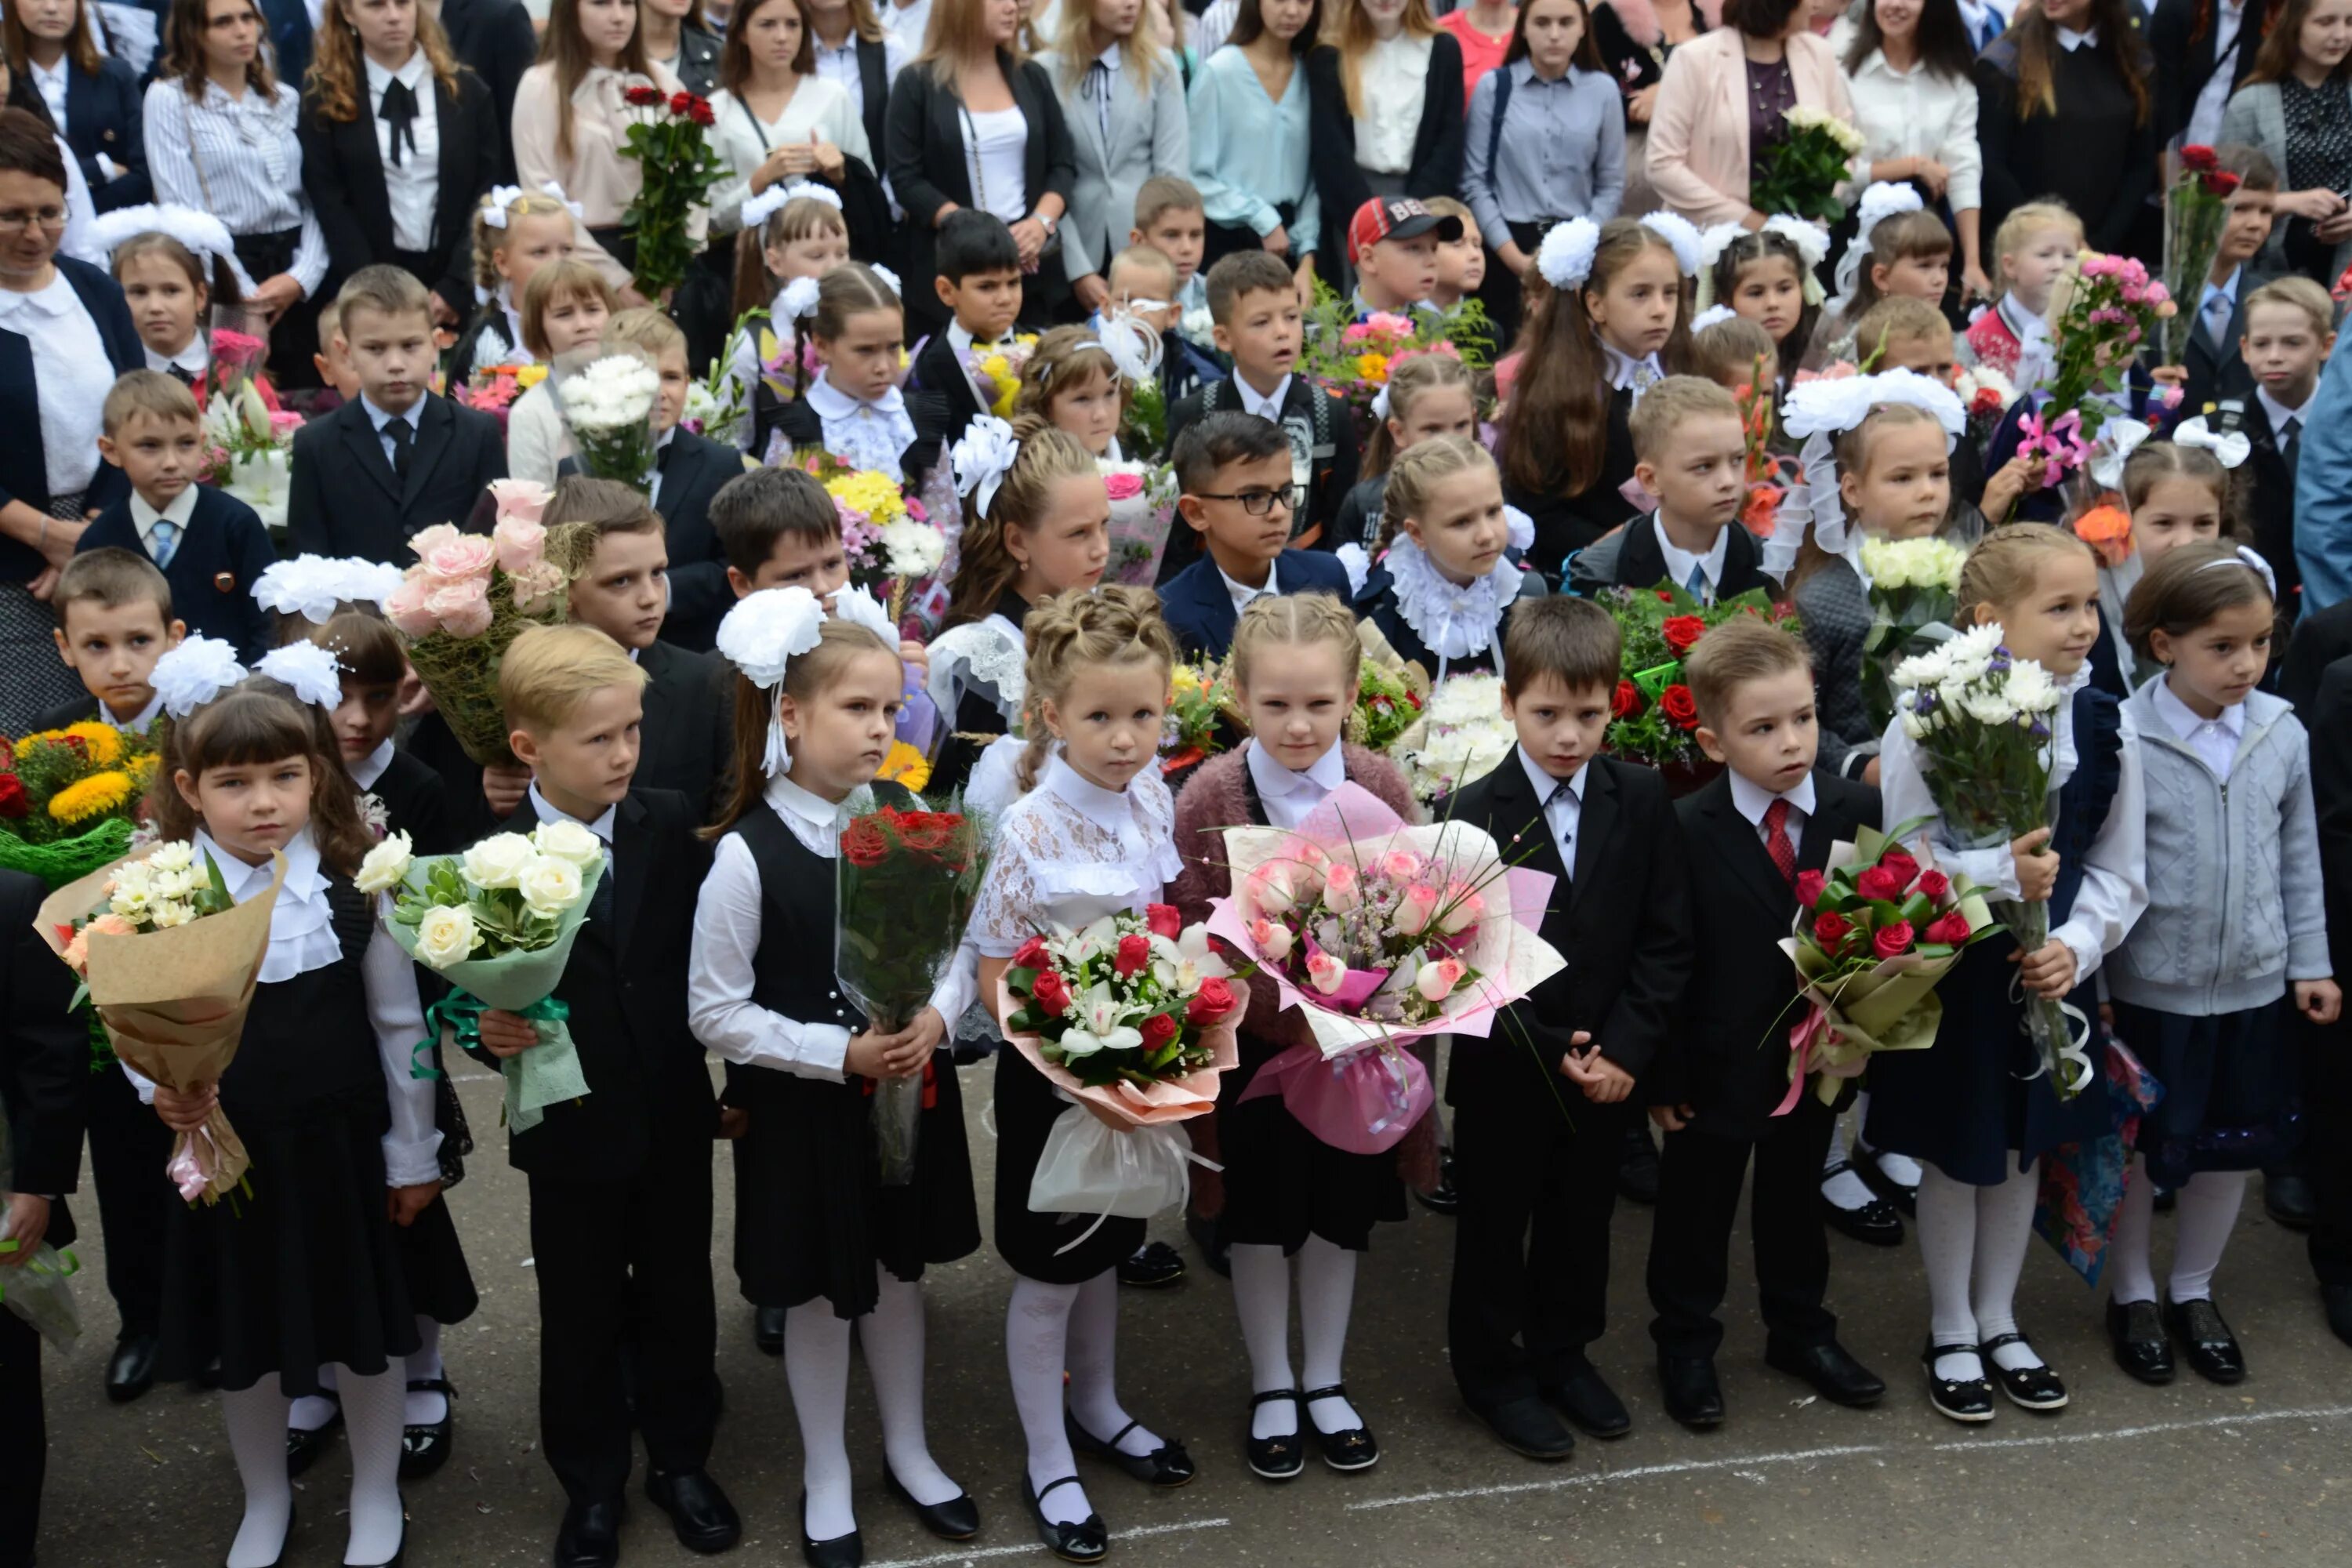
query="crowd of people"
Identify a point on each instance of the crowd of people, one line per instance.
(384, 204)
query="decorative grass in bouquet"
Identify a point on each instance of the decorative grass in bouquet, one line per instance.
(1459, 735)
(1653, 717)
(1801, 173)
(608, 406)
(1914, 600)
(679, 168)
(2196, 211)
(904, 884)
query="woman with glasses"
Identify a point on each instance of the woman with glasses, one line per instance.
(64, 336)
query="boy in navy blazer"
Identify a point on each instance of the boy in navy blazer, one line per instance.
(210, 547)
(1234, 472)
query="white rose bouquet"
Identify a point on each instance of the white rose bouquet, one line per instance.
(497, 922)
(1461, 735)
(1915, 590)
(609, 405)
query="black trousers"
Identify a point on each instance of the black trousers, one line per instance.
(24, 1438)
(2326, 1160)
(626, 1264)
(1531, 1242)
(129, 1145)
(1699, 1178)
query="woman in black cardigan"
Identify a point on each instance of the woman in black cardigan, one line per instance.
(1355, 147)
(951, 122)
(2078, 124)
(104, 119)
(346, 126)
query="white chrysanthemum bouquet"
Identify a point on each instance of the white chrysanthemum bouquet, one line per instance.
(1461, 736)
(609, 406)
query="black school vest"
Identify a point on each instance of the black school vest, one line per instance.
(308, 1040)
(792, 975)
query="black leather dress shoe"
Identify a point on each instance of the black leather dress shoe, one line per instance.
(2135, 1329)
(1156, 1268)
(2335, 1301)
(957, 1518)
(705, 1521)
(2289, 1200)
(1276, 1459)
(1442, 1198)
(1876, 1223)
(1087, 1541)
(835, 1551)
(1832, 1373)
(1529, 1428)
(131, 1370)
(590, 1536)
(2036, 1388)
(303, 1448)
(424, 1447)
(1964, 1399)
(1637, 1166)
(1167, 1466)
(1589, 1402)
(1887, 1187)
(1693, 1397)
(1353, 1448)
(768, 1330)
(2206, 1343)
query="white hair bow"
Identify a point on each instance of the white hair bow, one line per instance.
(760, 637)
(2251, 561)
(1682, 236)
(314, 673)
(193, 673)
(2119, 438)
(1133, 347)
(199, 230)
(1564, 257)
(2231, 447)
(1710, 317)
(796, 300)
(312, 585)
(982, 456)
(1812, 243)
(1818, 411)
(1882, 201)
(504, 196)
(888, 278)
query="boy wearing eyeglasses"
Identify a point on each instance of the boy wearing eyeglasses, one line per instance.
(1238, 492)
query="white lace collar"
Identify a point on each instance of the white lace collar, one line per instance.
(1110, 810)
(301, 923)
(1452, 621)
(810, 815)
(871, 435)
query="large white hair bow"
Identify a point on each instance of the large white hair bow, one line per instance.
(983, 455)
(504, 196)
(2231, 447)
(199, 230)
(1564, 257)
(760, 637)
(193, 673)
(1818, 413)
(315, 674)
(313, 585)
(1882, 201)
(1682, 236)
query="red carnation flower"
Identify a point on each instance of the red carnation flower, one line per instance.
(644, 97)
(1935, 884)
(1158, 1030)
(1950, 930)
(1880, 882)
(1809, 888)
(1830, 929)
(864, 843)
(1682, 632)
(1900, 860)
(1163, 919)
(1051, 992)
(1212, 1002)
(13, 801)
(1890, 940)
(1134, 952)
(1626, 702)
(1032, 955)
(1679, 707)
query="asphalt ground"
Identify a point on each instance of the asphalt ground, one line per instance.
(2190, 1474)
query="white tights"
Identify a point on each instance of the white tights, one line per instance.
(1050, 1329)
(1973, 1240)
(816, 1369)
(2208, 1213)
(372, 1407)
(426, 1408)
(1327, 1286)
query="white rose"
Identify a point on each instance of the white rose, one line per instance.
(386, 866)
(569, 841)
(445, 935)
(549, 886)
(499, 860)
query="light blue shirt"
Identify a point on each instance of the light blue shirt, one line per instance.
(1561, 153)
(1249, 152)
(2323, 486)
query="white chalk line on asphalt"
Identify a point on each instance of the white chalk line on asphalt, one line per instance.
(1031, 1548)
(1806, 1455)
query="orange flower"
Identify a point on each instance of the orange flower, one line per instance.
(2106, 528)
(1373, 367)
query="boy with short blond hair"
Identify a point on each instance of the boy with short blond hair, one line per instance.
(1691, 453)
(2218, 311)
(2289, 330)
(1172, 219)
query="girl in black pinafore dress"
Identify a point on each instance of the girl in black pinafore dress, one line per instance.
(306, 1272)
(816, 1231)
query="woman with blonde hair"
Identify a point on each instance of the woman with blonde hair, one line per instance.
(1122, 94)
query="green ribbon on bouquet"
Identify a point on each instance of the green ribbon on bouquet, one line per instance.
(535, 1078)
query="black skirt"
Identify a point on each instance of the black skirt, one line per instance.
(440, 1286)
(304, 1273)
(1026, 1108)
(1283, 1184)
(811, 1215)
(2232, 1097)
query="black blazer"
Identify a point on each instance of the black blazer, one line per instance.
(686, 743)
(1634, 560)
(693, 469)
(2321, 639)
(104, 113)
(2180, 35)
(939, 371)
(1730, 1059)
(1623, 923)
(496, 38)
(2216, 370)
(2268, 483)
(925, 159)
(24, 466)
(44, 1057)
(373, 514)
(1310, 412)
(224, 553)
(1436, 168)
(649, 1090)
(417, 802)
(1200, 609)
(343, 170)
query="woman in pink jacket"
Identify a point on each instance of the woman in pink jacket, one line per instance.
(1720, 108)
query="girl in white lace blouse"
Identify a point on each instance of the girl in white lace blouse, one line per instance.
(1092, 837)
(1442, 592)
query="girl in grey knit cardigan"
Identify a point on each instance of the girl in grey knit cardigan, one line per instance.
(2235, 922)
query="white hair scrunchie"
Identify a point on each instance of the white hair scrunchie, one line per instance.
(797, 298)
(1682, 236)
(760, 637)
(193, 673)
(1564, 257)
(313, 673)
(1812, 243)
(983, 455)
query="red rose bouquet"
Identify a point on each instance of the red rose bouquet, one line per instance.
(2196, 210)
(1653, 720)
(678, 171)
(903, 887)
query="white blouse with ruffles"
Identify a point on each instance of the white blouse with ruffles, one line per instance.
(1071, 852)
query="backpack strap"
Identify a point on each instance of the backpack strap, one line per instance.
(1495, 126)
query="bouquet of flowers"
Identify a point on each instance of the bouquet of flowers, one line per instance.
(1386, 705)
(1770, 475)
(905, 764)
(1354, 359)
(1803, 172)
(1199, 701)
(239, 342)
(1144, 428)
(170, 962)
(1142, 511)
(609, 407)
(680, 169)
(67, 796)
(492, 388)
(903, 887)
(1983, 722)
(1874, 933)
(714, 405)
(1379, 933)
(2100, 314)
(1461, 735)
(466, 601)
(2196, 210)
(996, 369)
(250, 449)
(1986, 394)
(1915, 587)
(497, 922)
(888, 537)
(1652, 716)
(2106, 528)
(1133, 1017)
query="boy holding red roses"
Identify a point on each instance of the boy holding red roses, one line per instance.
(1758, 835)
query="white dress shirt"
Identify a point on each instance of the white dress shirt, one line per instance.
(383, 422)
(1212, 27)
(1393, 81)
(602, 828)
(906, 23)
(1070, 852)
(1290, 797)
(995, 151)
(2071, 40)
(1268, 407)
(70, 367)
(137, 722)
(239, 159)
(1681, 562)
(195, 357)
(2215, 740)
(1628, 374)
(1753, 800)
(52, 83)
(1563, 809)
(742, 140)
(2281, 416)
(146, 519)
(1243, 595)
(1916, 113)
(2204, 126)
(413, 185)
(371, 767)
(871, 435)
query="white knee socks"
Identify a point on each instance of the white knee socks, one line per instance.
(2208, 1212)
(372, 1409)
(893, 1336)
(2004, 1231)
(817, 1368)
(1327, 1290)
(1036, 1344)
(1262, 1302)
(430, 1407)
(256, 1437)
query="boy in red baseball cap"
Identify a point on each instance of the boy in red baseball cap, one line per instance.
(1392, 244)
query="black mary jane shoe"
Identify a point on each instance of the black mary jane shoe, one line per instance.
(839, 1551)
(131, 1370)
(2206, 1343)
(1887, 1187)
(957, 1518)
(2135, 1329)
(1353, 1448)
(1967, 1400)
(1444, 1198)
(2035, 1388)
(1276, 1458)
(1875, 1223)
(286, 1541)
(424, 1447)
(303, 1448)
(1167, 1466)
(1087, 1541)
(768, 1330)
(1156, 1268)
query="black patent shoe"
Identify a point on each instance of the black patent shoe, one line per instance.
(1831, 1370)
(2036, 1388)
(303, 1448)
(1964, 1399)
(837, 1551)
(1442, 1198)
(1887, 1187)
(1156, 1268)
(131, 1370)
(1088, 1540)
(698, 1512)
(1167, 1466)
(286, 1541)
(2289, 1200)
(590, 1536)
(1276, 1458)
(2135, 1329)
(1692, 1392)
(425, 1447)
(957, 1518)
(1875, 1223)
(1637, 1166)
(1354, 1449)
(1586, 1398)
(2206, 1343)
(768, 1330)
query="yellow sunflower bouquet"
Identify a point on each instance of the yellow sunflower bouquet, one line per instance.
(68, 798)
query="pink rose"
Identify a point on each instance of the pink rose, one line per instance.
(283, 423)
(537, 584)
(424, 541)
(523, 498)
(1123, 487)
(1437, 981)
(1163, 920)
(1399, 865)
(1464, 908)
(405, 609)
(462, 607)
(520, 543)
(1271, 940)
(467, 557)
(1890, 940)
(1342, 889)
(1415, 909)
(1325, 972)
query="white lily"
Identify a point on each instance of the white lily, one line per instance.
(1100, 1026)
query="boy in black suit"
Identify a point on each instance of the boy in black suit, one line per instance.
(400, 457)
(1234, 471)
(980, 283)
(1255, 303)
(1691, 452)
(620, 1178)
(211, 546)
(114, 621)
(1540, 1107)
(1751, 835)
